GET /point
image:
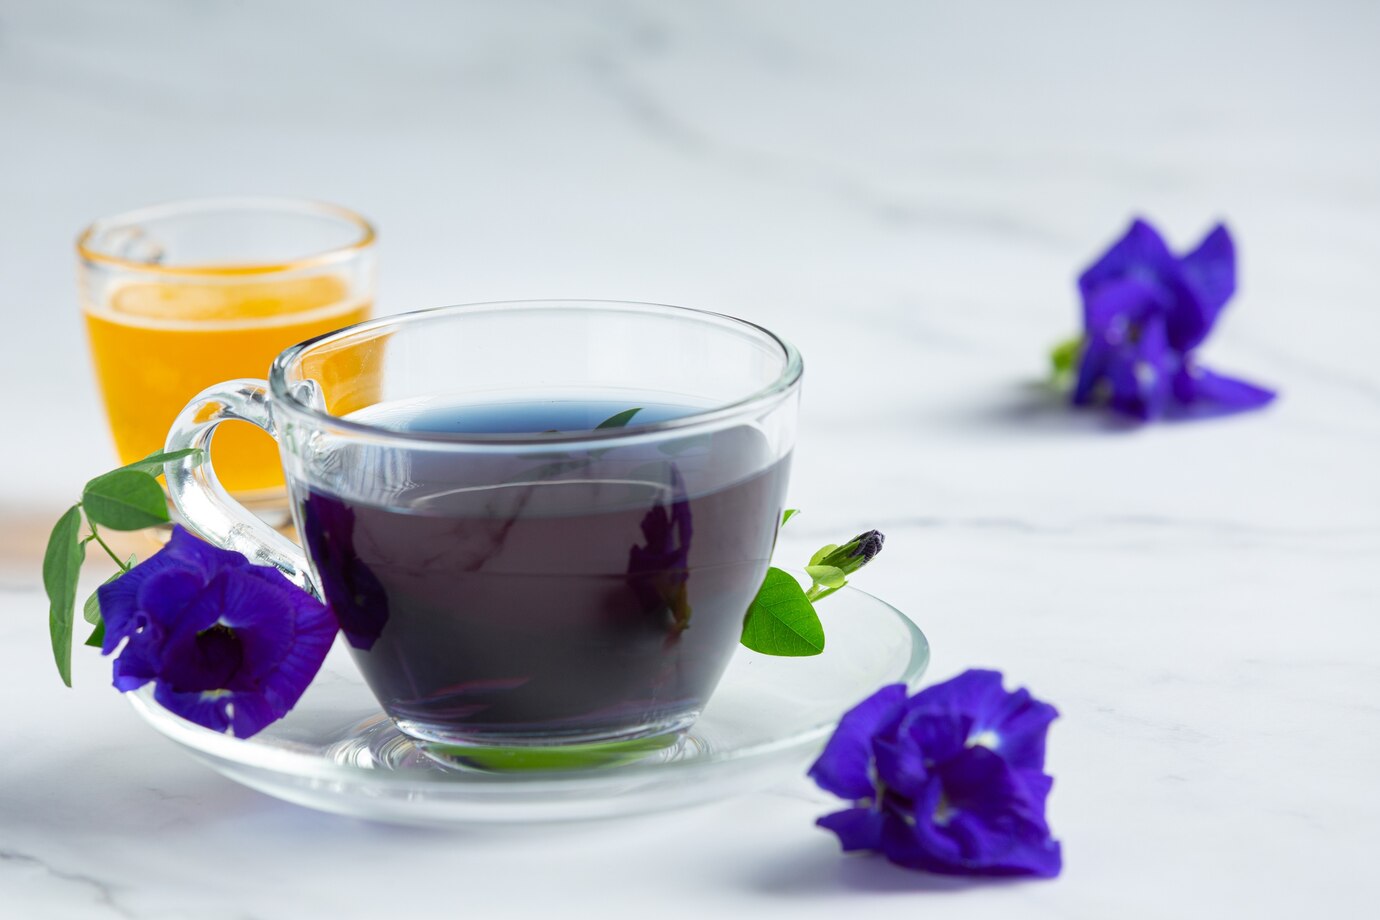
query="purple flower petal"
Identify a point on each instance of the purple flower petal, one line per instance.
(120, 610)
(1144, 311)
(1126, 397)
(1037, 787)
(261, 612)
(857, 828)
(938, 732)
(899, 765)
(915, 836)
(980, 782)
(1154, 365)
(844, 768)
(1115, 309)
(165, 595)
(227, 643)
(208, 709)
(194, 551)
(1127, 357)
(354, 592)
(1206, 394)
(251, 713)
(1209, 273)
(1141, 252)
(136, 666)
(1013, 725)
(1016, 730)
(960, 786)
(988, 823)
(314, 630)
(1092, 372)
(197, 661)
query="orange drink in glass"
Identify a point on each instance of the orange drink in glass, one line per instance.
(178, 297)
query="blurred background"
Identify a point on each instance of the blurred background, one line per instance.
(850, 175)
(907, 190)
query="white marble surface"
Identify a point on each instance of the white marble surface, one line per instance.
(904, 189)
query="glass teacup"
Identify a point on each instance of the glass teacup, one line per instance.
(538, 523)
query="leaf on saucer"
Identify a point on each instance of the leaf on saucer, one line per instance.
(781, 620)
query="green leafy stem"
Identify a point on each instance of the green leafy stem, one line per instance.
(1064, 359)
(128, 498)
(782, 619)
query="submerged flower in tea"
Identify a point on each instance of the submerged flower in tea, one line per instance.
(659, 571)
(950, 780)
(356, 596)
(228, 644)
(1145, 311)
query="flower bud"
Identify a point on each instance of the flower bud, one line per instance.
(856, 553)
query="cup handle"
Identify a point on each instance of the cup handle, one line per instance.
(200, 499)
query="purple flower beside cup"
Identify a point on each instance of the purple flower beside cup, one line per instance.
(227, 644)
(1145, 312)
(950, 780)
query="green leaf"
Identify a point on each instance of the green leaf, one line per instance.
(619, 420)
(153, 463)
(781, 620)
(91, 610)
(788, 514)
(97, 637)
(827, 575)
(818, 557)
(1065, 356)
(125, 500)
(543, 759)
(61, 568)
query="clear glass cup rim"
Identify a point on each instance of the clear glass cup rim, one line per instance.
(787, 382)
(365, 234)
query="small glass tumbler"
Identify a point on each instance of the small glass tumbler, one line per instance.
(183, 295)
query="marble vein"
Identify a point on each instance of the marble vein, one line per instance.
(609, 73)
(96, 891)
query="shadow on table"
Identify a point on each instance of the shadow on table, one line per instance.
(1029, 407)
(822, 871)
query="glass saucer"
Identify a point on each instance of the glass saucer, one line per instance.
(768, 718)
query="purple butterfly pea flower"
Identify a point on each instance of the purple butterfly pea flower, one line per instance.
(1145, 310)
(659, 572)
(355, 594)
(950, 780)
(227, 644)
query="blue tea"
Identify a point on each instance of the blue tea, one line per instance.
(542, 594)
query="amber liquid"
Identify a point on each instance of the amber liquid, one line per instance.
(156, 345)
